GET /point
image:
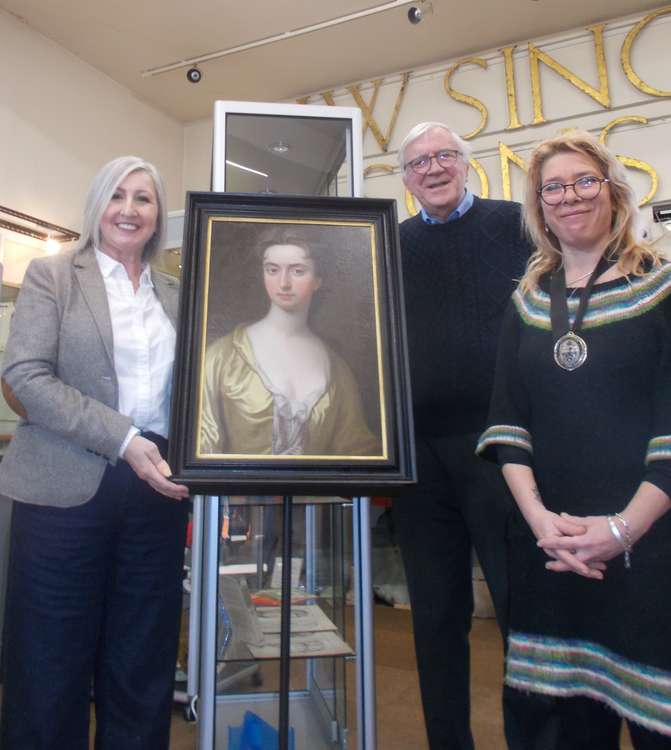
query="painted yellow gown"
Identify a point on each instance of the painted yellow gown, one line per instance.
(241, 414)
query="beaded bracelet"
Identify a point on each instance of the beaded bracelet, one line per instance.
(625, 541)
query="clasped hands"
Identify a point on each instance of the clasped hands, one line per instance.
(576, 544)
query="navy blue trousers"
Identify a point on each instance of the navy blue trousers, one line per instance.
(460, 503)
(93, 601)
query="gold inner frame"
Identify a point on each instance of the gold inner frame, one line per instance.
(384, 455)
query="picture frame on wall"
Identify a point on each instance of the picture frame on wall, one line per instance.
(291, 373)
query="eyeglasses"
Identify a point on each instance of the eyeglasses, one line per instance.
(444, 158)
(586, 188)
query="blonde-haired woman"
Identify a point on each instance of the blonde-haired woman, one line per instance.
(580, 422)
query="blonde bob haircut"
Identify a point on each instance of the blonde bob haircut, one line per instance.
(101, 191)
(632, 257)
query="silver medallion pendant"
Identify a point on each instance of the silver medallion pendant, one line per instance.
(570, 351)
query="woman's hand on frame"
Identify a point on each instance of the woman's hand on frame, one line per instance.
(146, 461)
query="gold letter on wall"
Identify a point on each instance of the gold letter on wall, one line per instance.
(480, 171)
(367, 111)
(514, 120)
(507, 155)
(327, 96)
(377, 167)
(627, 160)
(458, 96)
(373, 101)
(625, 55)
(601, 95)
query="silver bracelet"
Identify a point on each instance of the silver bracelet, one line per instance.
(629, 545)
(615, 530)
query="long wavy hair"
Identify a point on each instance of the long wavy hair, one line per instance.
(631, 256)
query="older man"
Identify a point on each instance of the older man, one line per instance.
(461, 256)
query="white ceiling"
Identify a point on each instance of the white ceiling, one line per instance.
(123, 38)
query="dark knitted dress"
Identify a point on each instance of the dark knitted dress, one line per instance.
(591, 436)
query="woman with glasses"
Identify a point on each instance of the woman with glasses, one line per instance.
(580, 422)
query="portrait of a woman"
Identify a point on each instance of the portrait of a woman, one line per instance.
(274, 386)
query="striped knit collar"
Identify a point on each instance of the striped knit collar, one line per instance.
(611, 301)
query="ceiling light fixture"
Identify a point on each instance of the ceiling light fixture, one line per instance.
(279, 147)
(51, 246)
(194, 75)
(275, 38)
(246, 169)
(417, 13)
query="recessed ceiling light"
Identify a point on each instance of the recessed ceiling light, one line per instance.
(279, 147)
(245, 169)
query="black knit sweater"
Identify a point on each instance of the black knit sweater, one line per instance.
(458, 278)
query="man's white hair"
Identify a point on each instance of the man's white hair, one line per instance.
(424, 127)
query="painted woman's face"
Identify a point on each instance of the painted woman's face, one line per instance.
(290, 277)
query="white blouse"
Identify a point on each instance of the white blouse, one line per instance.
(144, 348)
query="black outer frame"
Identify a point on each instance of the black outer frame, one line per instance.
(251, 477)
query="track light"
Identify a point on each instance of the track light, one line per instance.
(417, 12)
(282, 37)
(193, 75)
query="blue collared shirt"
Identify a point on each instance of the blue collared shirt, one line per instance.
(465, 205)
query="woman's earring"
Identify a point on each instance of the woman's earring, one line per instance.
(547, 229)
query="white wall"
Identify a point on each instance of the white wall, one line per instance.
(197, 155)
(61, 120)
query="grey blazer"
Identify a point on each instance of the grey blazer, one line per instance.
(59, 362)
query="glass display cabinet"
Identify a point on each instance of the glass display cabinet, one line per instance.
(293, 149)
(330, 697)
(280, 632)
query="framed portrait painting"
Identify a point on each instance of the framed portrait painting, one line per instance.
(291, 371)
